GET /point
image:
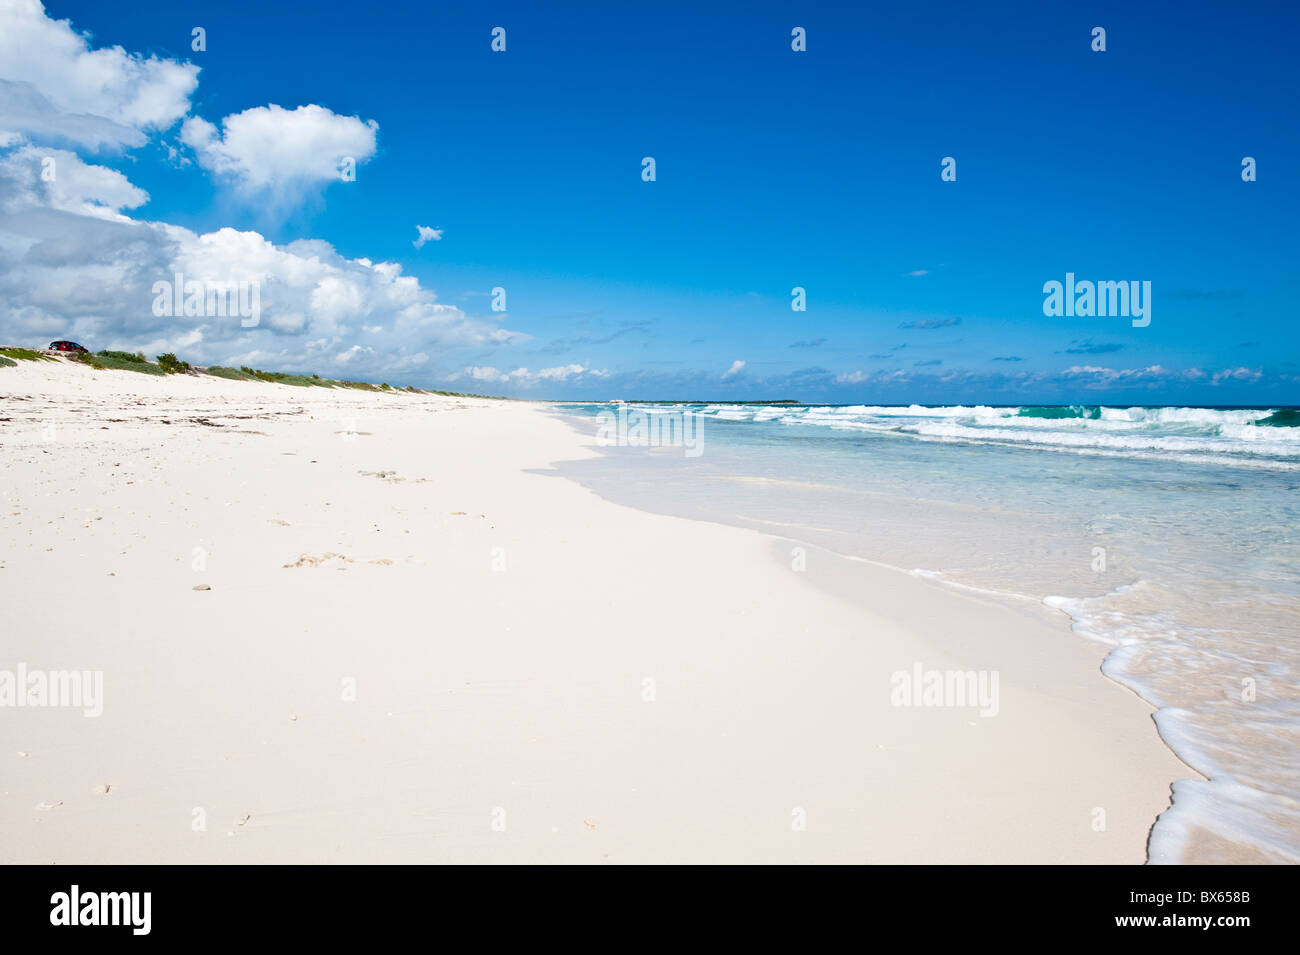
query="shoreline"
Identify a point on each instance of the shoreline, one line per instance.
(1070, 661)
(1155, 633)
(498, 629)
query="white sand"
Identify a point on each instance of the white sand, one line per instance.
(476, 687)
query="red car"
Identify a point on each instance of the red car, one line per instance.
(67, 346)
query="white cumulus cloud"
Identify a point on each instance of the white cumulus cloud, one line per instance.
(54, 87)
(269, 146)
(426, 235)
(60, 180)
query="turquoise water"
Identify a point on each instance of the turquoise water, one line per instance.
(1168, 535)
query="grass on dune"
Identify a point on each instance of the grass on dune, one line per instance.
(167, 364)
(109, 360)
(282, 378)
(245, 373)
(103, 362)
(25, 354)
(7, 362)
(234, 374)
(288, 378)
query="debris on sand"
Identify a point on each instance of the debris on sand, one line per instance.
(307, 560)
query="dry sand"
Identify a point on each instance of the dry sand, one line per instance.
(499, 626)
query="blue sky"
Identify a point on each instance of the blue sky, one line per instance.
(775, 169)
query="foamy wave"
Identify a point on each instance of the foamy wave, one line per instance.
(1153, 655)
(1213, 435)
(1127, 441)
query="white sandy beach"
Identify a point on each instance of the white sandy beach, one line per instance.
(499, 625)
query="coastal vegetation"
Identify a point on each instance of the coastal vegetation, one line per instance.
(169, 364)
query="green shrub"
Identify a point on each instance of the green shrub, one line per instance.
(172, 365)
(123, 356)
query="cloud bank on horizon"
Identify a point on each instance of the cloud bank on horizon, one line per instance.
(84, 246)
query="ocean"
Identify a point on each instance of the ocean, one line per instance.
(1170, 536)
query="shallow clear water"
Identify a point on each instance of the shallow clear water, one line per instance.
(1166, 534)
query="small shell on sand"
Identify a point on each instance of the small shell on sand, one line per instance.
(201, 587)
(22, 754)
(243, 819)
(293, 718)
(49, 805)
(103, 789)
